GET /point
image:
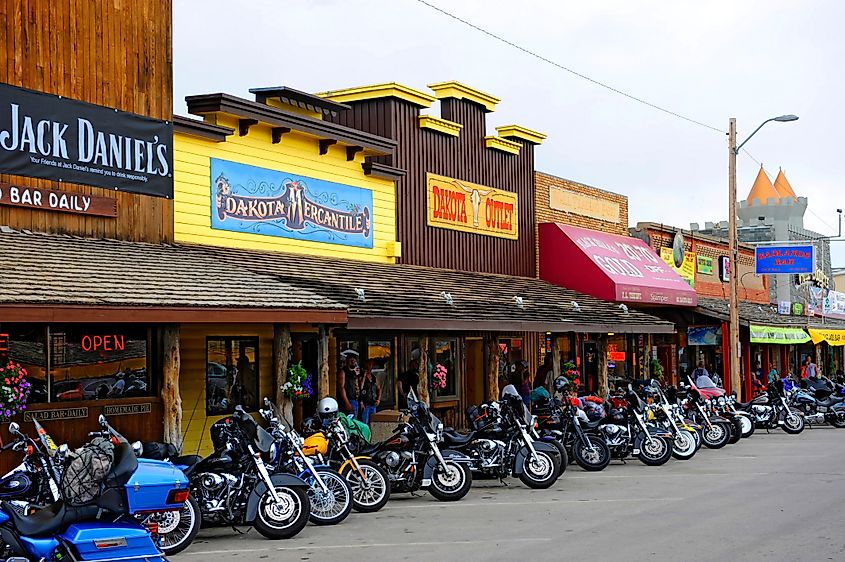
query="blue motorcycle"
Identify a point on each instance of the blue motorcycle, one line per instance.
(103, 528)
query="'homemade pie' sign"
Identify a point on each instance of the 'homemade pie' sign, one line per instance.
(55, 200)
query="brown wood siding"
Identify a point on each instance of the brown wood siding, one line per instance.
(116, 54)
(464, 157)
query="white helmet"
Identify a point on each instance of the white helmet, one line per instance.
(327, 406)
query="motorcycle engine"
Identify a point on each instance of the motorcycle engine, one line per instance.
(761, 412)
(489, 451)
(614, 434)
(214, 490)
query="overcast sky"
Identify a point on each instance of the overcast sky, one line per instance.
(712, 60)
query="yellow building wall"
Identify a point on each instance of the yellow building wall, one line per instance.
(297, 154)
(195, 423)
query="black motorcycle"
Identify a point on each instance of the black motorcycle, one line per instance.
(771, 410)
(234, 487)
(561, 420)
(413, 459)
(502, 446)
(716, 430)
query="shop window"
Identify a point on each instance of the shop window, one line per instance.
(443, 352)
(380, 358)
(102, 362)
(510, 353)
(26, 347)
(231, 374)
(617, 355)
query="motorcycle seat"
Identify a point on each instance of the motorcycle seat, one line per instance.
(188, 461)
(830, 401)
(452, 437)
(592, 424)
(367, 449)
(125, 464)
(50, 520)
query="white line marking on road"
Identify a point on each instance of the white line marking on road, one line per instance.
(542, 502)
(370, 545)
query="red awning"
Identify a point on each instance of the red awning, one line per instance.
(609, 266)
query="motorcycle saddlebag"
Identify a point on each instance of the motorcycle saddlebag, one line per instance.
(112, 541)
(153, 485)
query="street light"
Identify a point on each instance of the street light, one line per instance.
(733, 150)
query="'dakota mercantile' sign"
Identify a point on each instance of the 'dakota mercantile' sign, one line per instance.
(56, 138)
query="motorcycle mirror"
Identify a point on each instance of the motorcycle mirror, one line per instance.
(102, 420)
(14, 428)
(266, 401)
(654, 383)
(138, 448)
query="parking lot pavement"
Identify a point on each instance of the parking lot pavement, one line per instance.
(770, 497)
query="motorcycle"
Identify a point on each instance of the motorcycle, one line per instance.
(368, 481)
(771, 410)
(101, 526)
(716, 430)
(819, 405)
(328, 492)
(34, 483)
(233, 486)
(684, 444)
(627, 433)
(413, 459)
(561, 421)
(504, 447)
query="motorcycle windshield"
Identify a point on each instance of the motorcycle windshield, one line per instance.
(263, 439)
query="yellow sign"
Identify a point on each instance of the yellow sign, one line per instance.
(687, 269)
(465, 206)
(833, 337)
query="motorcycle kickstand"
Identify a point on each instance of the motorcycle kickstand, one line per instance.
(416, 495)
(502, 481)
(238, 531)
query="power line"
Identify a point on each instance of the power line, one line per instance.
(571, 71)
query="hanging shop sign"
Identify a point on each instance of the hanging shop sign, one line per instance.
(724, 269)
(705, 265)
(704, 335)
(55, 200)
(778, 335)
(468, 207)
(798, 309)
(57, 414)
(772, 260)
(56, 138)
(817, 279)
(275, 203)
(784, 307)
(834, 303)
(687, 267)
(833, 337)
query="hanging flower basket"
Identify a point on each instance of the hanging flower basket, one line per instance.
(14, 390)
(298, 385)
(438, 378)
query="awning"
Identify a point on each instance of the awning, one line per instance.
(778, 335)
(609, 266)
(833, 337)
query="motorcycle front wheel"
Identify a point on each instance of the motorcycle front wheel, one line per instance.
(683, 446)
(370, 487)
(793, 423)
(655, 452)
(332, 505)
(593, 457)
(286, 518)
(539, 473)
(176, 529)
(838, 421)
(451, 482)
(748, 426)
(717, 435)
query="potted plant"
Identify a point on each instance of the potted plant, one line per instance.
(297, 388)
(14, 390)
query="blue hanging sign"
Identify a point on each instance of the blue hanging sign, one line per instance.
(784, 259)
(261, 201)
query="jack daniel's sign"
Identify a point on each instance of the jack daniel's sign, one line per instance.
(51, 137)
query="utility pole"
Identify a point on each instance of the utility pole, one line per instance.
(734, 257)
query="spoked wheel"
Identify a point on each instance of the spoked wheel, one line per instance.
(564, 456)
(655, 451)
(839, 421)
(683, 446)
(370, 487)
(450, 482)
(592, 457)
(176, 529)
(748, 426)
(716, 436)
(540, 472)
(793, 423)
(332, 505)
(285, 518)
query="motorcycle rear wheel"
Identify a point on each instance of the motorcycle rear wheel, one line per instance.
(539, 474)
(716, 436)
(736, 431)
(591, 460)
(451, 483)
(564, 456)
(177, 529)
(334, 505)
(285, 520)
(370, 492)
(838, 422)
(656, 452)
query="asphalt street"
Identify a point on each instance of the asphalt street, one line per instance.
(770, 497)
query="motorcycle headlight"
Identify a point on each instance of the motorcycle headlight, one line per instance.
(274, 451)
(721, 401)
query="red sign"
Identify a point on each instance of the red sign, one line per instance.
(103, 343)
(616, 355)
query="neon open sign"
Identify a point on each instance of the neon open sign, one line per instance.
(108, 342)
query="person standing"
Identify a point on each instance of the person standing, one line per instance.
(699, 372)
(347, 382)
(545, 374)
(811, 370)
(409, 379)
(370, 393)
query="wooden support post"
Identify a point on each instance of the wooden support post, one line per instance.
(602, 351)
(423, 370)
(323, 387)
(493, 367)
(281, 357)
(170, 396)
(555, 364)
(332, 367)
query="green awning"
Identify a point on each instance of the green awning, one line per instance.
(778, 335)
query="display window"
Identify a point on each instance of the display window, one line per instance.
(231, 374)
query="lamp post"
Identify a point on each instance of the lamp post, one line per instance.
(733, 150)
